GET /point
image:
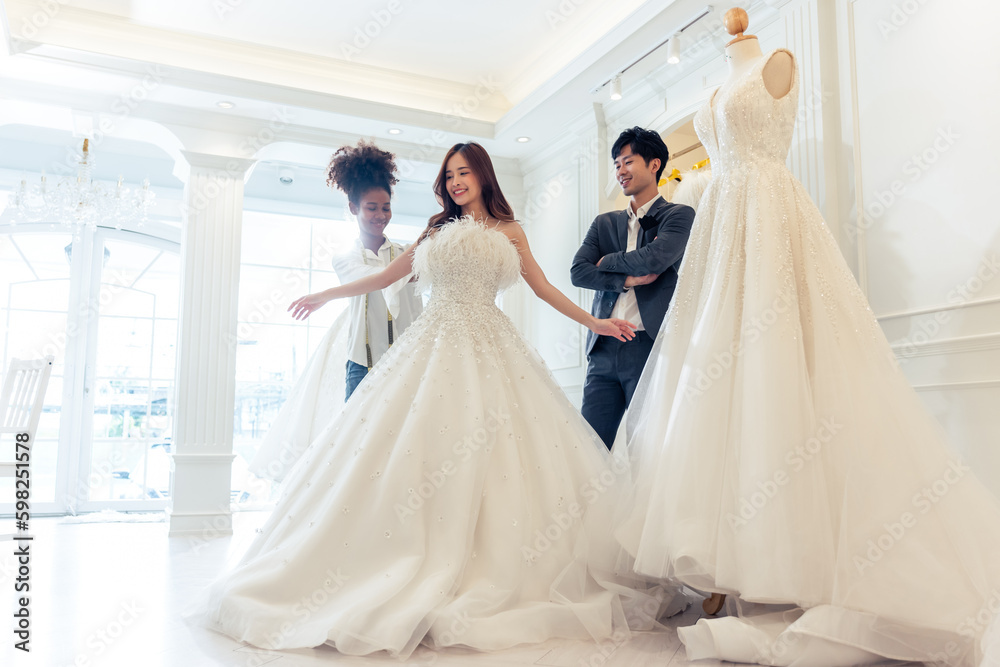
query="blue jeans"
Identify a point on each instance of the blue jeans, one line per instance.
(613, 372)
(355, 374)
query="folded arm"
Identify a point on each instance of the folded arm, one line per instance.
(584, 272)
(658, 255)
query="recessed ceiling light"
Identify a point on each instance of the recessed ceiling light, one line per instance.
(225, 105)
(524, 140)
(395, 130)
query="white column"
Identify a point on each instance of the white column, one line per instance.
(206, 349)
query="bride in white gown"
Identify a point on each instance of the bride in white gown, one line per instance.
(459, 498)
(780, 455)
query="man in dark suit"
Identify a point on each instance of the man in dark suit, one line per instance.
(630, 258)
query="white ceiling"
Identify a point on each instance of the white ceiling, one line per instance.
(519, 43)
(440, 71)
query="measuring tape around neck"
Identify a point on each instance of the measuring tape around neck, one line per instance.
(368, 344)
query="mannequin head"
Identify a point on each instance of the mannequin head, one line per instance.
(737, 21)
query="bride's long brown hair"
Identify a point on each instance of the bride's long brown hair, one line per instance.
(481, 165)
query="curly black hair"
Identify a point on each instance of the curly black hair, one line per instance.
(358, 169)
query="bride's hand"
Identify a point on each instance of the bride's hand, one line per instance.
(620, 329)
(303, 307)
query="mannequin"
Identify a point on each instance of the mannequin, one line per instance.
(743, 52)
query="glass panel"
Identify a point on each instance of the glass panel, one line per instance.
(34, 299)
(162, 280)
(124, 469)
(283, 258)
(275, 240)
(121, 301)
(134, 379)
(124, 347)
(333, 238)
(43, 474)
(164, 349)
(48, 254)
(31, 335)
(43, 468)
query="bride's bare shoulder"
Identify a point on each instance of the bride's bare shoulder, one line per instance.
(513, 230)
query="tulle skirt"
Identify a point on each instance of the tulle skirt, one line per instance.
(459, 499)
(781, 457)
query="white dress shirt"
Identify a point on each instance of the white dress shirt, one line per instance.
(626, 307)
(399, 298)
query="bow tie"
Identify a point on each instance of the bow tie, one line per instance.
(648, 222)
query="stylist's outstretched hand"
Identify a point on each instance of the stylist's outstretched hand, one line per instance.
(303, 307)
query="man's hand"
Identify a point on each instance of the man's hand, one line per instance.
(632, 281)
(599, 262)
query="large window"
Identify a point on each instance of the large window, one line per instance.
(133, 378)
(104, 304)
(34, 309)
(283, 258)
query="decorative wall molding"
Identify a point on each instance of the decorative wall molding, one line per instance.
(805, 157)
(950, 386)
(207, 525)
(938, 309)
(956, 345)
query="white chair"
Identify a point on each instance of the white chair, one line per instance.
(20, 409)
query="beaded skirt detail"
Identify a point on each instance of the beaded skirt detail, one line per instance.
(458, 499)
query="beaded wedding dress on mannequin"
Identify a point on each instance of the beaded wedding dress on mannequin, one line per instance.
(458, 499)
(780, 456)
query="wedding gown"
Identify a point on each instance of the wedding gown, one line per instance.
(690, 190)
(780, 456)
(458, 499)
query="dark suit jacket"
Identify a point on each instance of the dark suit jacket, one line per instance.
(660, 249)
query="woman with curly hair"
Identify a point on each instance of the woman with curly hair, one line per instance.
(366, 174)
(365, 331)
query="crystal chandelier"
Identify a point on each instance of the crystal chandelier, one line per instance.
(81, 202)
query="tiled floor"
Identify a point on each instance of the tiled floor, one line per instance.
(112, 593)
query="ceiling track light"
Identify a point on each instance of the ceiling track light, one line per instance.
(674, 49)
(674, 41)
(616, 87)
